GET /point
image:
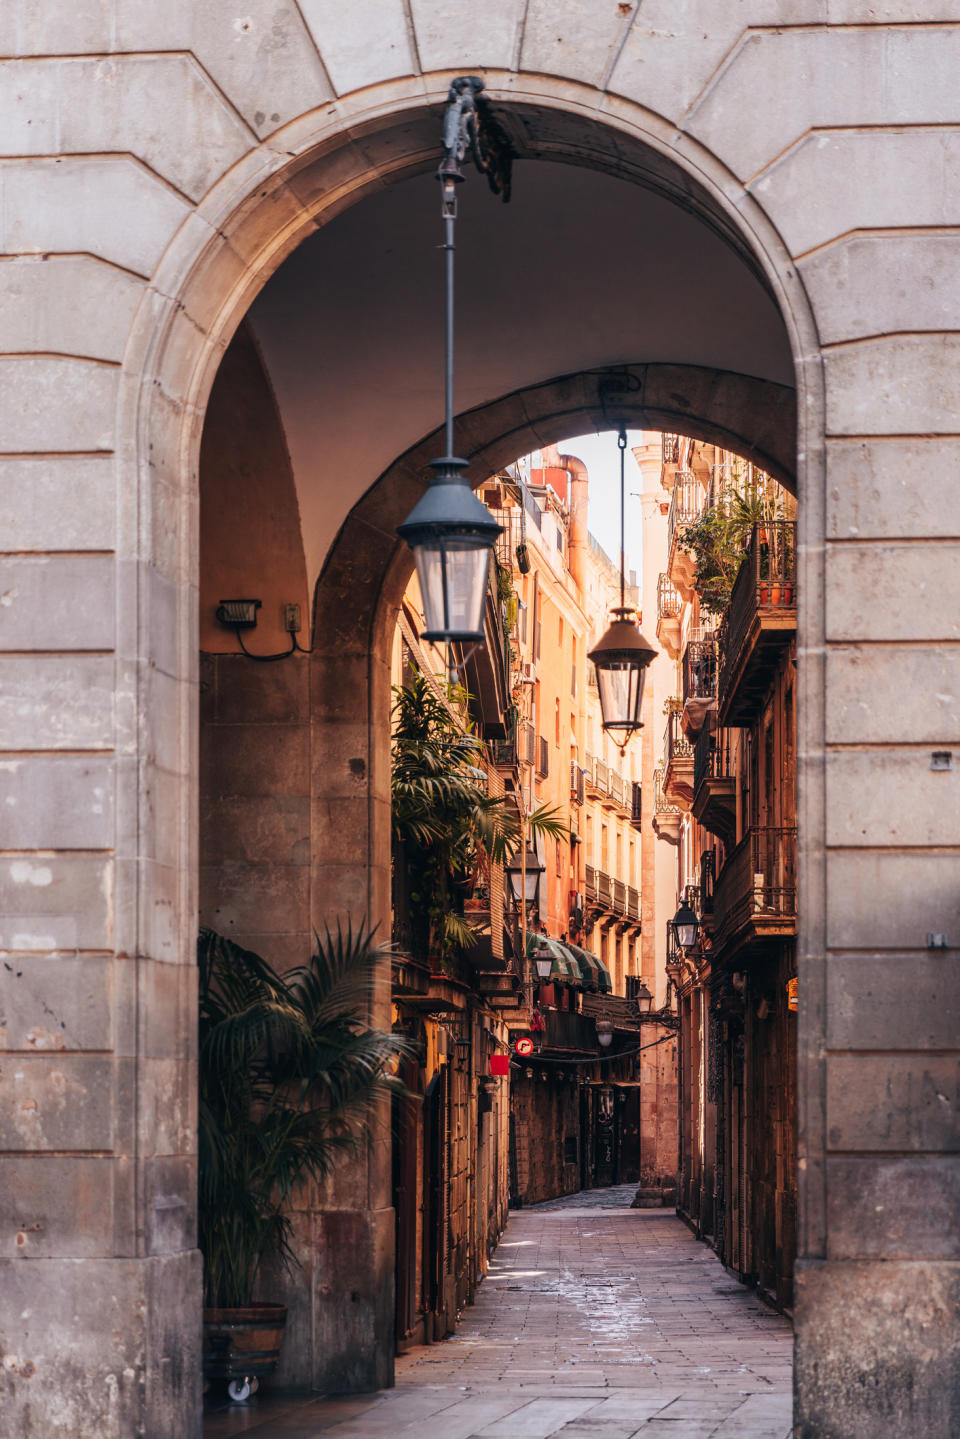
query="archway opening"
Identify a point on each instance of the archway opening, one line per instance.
(618, 292)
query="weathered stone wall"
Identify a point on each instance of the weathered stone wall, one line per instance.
(546, 1124)
(157, 164)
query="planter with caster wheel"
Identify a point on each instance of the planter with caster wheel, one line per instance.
(241, 1345)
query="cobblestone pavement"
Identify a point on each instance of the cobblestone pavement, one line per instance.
(619, 1197)
(591, 1324)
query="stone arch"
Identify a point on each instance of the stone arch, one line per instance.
(237, 237)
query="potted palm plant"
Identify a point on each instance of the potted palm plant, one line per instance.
(291, 1078)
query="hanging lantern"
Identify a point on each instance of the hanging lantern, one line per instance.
(525, 877)
(621, 659)
(452, 535)
(450, 532)
(623, 655)
(686, 927)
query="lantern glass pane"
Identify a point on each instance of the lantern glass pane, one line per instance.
(686, 935)
(453, 585)
(620, 684)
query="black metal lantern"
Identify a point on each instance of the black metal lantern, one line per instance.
(452, 535)
(543, 959)
(621, 659)
(450, 532)
(524, 875)
(686, 927)
(644, 998)
(623, 655)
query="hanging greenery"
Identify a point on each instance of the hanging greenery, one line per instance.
(719, 539)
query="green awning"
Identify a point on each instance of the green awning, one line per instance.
(595, 973)
(565, 967)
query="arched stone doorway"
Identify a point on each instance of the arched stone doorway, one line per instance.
(362, 576)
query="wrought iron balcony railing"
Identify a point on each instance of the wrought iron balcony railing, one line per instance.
(700, 670)
(758, 884)
(660, 803)
(633, 902)
(636, 804)
(675, 744)
(669, 603)
(686, 503)
(765, 590)
(670, 449)
(712, 756)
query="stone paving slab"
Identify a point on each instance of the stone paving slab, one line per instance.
(595, 1322)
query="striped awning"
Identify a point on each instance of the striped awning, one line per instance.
(596, 975)
(565, 967)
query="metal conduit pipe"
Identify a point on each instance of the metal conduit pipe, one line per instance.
(577, 533)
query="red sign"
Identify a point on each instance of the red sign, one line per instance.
(499, 1064)
(523, 1047)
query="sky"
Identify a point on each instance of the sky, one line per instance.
(601, 456)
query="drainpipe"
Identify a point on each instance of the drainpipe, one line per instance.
(577, 539)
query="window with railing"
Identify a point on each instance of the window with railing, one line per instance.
(543, 758)
(633, 902)
(669, 603)
(576, 783)
(686, 503)
(660, 804)
(528, 747)
(636, 803)
(675, 743)
(758, 882)
(700, 670)
(766, 584)
(712, 756)
(670, 449)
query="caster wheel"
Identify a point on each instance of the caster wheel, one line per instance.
(254, 1385)
(239, 1390)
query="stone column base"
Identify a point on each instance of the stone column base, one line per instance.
(109, 1347)
(877, 1349)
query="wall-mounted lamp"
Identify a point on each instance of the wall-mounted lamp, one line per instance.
(240, 614)
(604, 1033)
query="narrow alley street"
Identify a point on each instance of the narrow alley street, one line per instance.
(594, 1322)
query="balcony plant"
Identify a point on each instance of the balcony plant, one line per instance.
(447, 830)
(718, 540)
(291, 1081)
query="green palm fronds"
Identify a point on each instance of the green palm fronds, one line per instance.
(292, 1080)
(446, 828)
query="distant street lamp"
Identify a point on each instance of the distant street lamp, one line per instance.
(644, 998)
(622, 655)
(450, 532)
(686, 927)
(604, 1033)
(524, 871)
(543, 959)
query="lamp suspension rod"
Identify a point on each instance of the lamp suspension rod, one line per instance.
(622, 443)
(449, 209)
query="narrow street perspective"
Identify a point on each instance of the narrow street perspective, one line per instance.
(479, 719)
(596, 1321)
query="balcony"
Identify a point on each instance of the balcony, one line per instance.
(700, 662)
(755, 894)
(669, 607)
(670, 449)
(613, 1009)
(568, 1033)
(759, 622)
(633, 903)
(503, 752)
(677, 760)
(667, 821)
(686, 504)
(636, 805)
(714, 783)
(577, 789)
